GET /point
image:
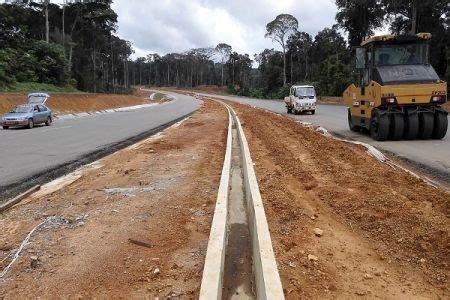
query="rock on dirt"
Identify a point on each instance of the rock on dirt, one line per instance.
(318, 232)
(312, 257)
(34, 261)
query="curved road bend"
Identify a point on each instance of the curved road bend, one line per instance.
(24, 152)
(432, 156)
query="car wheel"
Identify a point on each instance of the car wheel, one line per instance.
(48, 122)
(30, 123)
(5, 127)
(313, 112)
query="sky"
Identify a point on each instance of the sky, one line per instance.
(165, 26)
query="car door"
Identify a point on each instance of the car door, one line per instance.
(43, 112)
(36, 114)
(292, 96)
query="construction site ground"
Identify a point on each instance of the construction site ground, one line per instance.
(344, 224)
(136, 226)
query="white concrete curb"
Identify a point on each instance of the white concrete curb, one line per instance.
(105, 111)
(212, 279)
(267, 278)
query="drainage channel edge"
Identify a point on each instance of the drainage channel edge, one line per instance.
(265, 270)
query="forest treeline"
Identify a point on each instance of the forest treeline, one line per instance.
(78, 47)
(83, 50)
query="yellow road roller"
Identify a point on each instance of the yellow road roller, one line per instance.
(399, 94)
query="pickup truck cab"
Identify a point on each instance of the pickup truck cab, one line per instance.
(302, 98)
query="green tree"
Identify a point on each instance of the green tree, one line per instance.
(224, 51)
(359, 18)
(299, 50)
(279, 31)
(412, 16)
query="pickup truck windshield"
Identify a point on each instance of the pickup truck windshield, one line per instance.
(305, 92)
(401, 55)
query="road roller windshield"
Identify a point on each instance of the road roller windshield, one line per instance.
(411, 54)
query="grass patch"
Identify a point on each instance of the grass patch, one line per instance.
(159, 97)
(29, 87)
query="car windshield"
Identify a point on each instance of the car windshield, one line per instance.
(401, 55)
(22, 109)
(305, 92)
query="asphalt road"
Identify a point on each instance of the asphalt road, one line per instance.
(25, 152)
(432, 156)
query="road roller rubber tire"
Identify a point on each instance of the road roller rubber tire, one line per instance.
(351, 125)
(426, 125)
(411, 125)
(440, 125)
(379, 125)
(397, 126)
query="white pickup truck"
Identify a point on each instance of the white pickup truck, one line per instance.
(302, 98)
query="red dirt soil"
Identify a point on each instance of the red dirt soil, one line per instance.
(384, 232)
(330, 100)
(75, 102)
(211, 89)
(91, 256)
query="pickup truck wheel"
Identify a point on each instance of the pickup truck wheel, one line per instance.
(5, 127)
(48, 122)
(30, 124)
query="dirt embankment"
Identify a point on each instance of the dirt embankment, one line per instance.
(343, 224)
(76, 102)
(330, 100)
(213, 89)
(160, 193)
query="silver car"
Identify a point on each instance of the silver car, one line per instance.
(35, 112)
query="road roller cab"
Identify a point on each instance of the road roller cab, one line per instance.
(399, 94)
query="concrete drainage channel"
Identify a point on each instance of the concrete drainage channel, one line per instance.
(240, 263)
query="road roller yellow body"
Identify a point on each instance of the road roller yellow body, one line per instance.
(399, 95)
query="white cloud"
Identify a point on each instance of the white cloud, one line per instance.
(166, 26)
